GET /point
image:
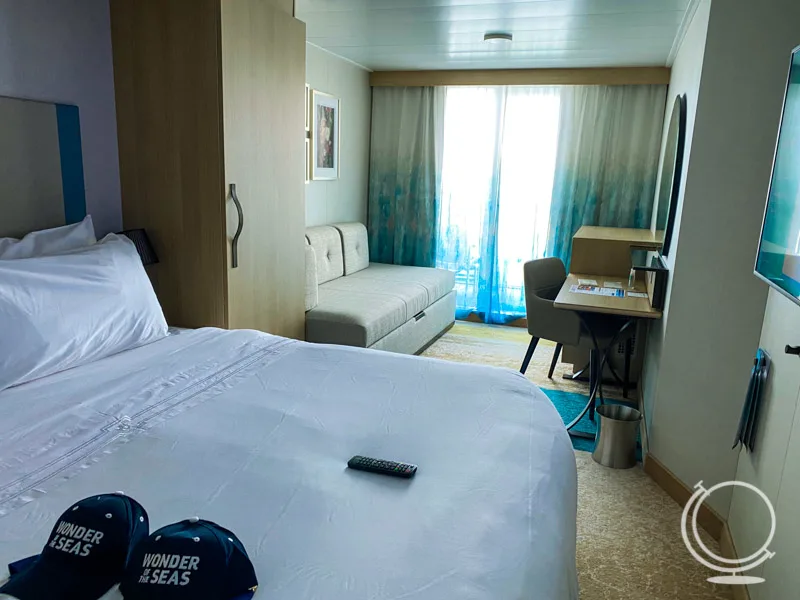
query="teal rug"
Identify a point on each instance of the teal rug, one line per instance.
(569, 406)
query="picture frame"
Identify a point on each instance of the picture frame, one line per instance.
(308, 160)
(308, 108)
(324, 135)
(307, 135)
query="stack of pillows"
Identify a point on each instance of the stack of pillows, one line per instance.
(67, 300)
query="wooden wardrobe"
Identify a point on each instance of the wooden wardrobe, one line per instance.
(211, 93)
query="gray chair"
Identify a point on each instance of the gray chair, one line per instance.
(543, 279)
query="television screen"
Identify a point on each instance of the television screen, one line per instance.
(778, 259)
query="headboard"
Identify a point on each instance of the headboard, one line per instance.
(41, 166)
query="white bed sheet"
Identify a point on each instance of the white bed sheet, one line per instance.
(254, 431)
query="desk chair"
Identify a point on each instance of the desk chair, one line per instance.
(543, 280)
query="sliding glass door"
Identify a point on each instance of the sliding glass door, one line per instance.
(500, 147)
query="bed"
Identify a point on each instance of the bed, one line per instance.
(254, 431)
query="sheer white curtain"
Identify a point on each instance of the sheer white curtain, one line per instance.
(500, 147)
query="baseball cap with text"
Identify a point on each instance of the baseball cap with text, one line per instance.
(86, 553)
(194, 559)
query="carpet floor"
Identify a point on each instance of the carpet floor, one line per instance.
(629, 540)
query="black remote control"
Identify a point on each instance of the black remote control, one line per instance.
(382, 467)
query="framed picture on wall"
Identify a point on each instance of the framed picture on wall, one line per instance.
(324, 136)
(308, 159)
(308, 108)
(307, 134)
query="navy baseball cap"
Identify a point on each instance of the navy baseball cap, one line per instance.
(86, 553)
(194, 559)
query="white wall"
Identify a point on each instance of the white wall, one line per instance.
(60, 51)
(344, 199)
(716, 305)
(685, 79)
(774, 467)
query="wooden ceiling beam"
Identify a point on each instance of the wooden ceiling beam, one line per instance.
(594, 76)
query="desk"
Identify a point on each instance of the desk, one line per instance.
(630, 307)
(606, 252)
(625, 307)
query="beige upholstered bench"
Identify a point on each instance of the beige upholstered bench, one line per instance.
(353, 302)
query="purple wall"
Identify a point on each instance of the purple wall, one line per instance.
(60, 51)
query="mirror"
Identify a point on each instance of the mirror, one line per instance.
(41, 166)
(666, 200)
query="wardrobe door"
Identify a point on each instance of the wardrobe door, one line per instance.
(167, 78)
(263, 72)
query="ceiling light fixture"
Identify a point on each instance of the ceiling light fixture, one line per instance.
(497, 38)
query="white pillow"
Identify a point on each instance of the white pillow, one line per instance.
(59, 312)
(49, 241)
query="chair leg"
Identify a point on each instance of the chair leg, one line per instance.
(593, 380)
(626, 382)
(529, 354)
(553, 364)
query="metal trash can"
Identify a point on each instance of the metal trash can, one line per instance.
(616, 440)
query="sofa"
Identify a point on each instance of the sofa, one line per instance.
(353, 302)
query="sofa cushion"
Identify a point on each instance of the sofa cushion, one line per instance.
(358, 311)
(327, 244)
(355, 246)
(312, 291)
(413, 295)
(437, 282)
(353, 318)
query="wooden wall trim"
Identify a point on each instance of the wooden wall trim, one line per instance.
(728, 550)
(707, 517)
(474, 317)
(607, 76)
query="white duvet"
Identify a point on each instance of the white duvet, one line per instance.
(254, 431)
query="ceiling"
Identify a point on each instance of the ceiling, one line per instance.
(448, 34)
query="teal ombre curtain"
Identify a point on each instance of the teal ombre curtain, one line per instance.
(405, 174)
(608, 150)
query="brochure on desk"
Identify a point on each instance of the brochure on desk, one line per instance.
(597, 291)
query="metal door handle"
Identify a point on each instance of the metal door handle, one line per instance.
(792, 350)
(235, 240)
